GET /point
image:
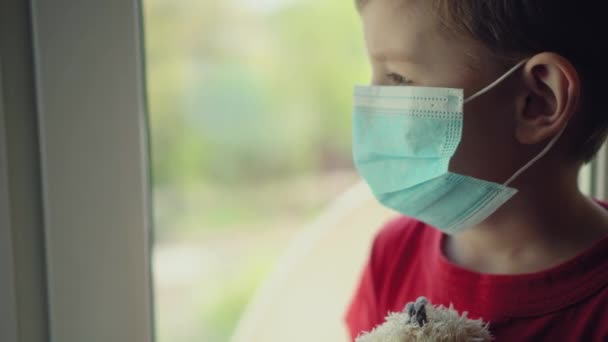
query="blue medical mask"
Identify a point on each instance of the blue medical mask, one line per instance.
(403, 140)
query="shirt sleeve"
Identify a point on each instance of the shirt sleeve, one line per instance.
(366, 310)
(362, 313)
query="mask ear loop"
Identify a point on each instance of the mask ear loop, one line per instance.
(495, 83)
(535, 159)
(549, 145)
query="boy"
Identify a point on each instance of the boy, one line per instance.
(486, 176)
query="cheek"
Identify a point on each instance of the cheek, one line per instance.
(487, 143)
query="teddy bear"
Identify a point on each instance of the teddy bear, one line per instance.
(420, 321)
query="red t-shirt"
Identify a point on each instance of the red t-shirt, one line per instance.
(568, 302)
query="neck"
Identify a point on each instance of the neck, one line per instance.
(544, 224)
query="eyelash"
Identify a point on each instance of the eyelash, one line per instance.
(397, 79)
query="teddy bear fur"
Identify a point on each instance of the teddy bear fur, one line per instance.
(427, 323)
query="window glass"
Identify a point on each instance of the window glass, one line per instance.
(250, 106)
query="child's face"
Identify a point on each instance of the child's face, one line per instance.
(406, 47)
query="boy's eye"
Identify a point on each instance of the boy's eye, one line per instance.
(397, 79)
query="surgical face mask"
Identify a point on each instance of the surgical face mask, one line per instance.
(403, 140)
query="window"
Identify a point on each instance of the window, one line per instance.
(249, 105)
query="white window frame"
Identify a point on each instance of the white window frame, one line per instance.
(22, 266)
(93, 139)
(599, 179)
(8, 304)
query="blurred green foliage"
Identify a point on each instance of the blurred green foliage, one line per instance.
(249, 107)
(250, 90)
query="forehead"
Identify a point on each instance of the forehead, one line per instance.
(398, 28)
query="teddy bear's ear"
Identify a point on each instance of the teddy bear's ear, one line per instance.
(420, 301)
(417, 311)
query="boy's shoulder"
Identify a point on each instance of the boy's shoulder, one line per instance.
(402, 228)
(402, 235)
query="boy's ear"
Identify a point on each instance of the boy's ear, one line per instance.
(553, 90)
